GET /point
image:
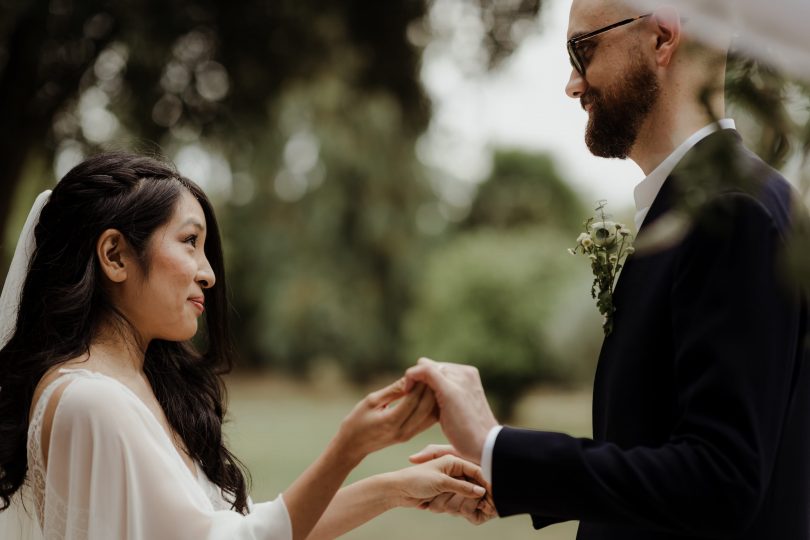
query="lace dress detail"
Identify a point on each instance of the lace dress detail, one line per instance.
(36, 461)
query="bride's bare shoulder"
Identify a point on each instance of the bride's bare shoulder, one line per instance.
(86, 402)
(52, 375)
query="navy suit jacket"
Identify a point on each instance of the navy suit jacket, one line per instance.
(701, 405)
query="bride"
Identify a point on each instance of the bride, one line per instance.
(111, 420)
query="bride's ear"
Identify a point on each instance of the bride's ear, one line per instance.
(113, 255)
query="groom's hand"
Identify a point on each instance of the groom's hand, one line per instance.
(433, 451)
(464, 412)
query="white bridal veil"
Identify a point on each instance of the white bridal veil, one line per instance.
(17, 521)
(774, 31)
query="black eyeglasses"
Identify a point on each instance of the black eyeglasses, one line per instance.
(577, 62)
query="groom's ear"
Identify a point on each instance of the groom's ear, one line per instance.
(667, 23)
(112, 252)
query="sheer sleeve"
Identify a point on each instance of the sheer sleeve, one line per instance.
(113, 473)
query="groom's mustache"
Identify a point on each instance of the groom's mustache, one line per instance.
(587, 99)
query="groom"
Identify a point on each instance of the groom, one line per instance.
(701, 406)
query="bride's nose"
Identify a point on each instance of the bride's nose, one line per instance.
(205, 275)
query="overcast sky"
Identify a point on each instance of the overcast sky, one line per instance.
(522, 104)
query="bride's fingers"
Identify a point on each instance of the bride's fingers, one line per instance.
(431, 452)
(422, 416)
(439, 503)
(451, 485)
(399, 414)
(386, 395)
(455, 466)
(427, 421)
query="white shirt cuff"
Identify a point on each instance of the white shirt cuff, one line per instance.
(486, 453)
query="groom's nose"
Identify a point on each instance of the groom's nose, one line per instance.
(576, 85)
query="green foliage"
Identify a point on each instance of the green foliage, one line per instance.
(501, 300)
(324, 270)
(762, 94)
(525, 189)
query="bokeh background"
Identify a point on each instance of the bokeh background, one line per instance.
(393, 179)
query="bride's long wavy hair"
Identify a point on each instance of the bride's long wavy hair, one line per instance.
(64, 302)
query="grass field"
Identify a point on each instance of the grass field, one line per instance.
(279, 427)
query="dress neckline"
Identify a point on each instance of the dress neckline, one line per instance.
(195, 474)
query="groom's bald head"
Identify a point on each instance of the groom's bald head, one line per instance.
(596, 11)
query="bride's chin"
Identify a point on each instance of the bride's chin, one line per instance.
(184, 334)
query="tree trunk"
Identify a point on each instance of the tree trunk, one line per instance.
(47, 54)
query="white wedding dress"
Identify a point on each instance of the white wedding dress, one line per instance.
(113, 473)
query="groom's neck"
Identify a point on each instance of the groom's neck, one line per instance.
(676, 117)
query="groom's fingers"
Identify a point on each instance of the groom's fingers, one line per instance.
(487, 507)
(467, 508)
(429, 374)
(433, 451)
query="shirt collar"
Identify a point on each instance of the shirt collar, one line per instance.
(646, 191)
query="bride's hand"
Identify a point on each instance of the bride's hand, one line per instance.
(377, 422)
(448, 485)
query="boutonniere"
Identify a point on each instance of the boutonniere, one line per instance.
(607, 244)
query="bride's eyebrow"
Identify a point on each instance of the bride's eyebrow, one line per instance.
(194, 223)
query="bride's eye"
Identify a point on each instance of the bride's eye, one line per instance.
(191, 240)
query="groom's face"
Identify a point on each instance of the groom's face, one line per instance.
(619, 88)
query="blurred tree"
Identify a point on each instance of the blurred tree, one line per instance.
(303, 116)
(314, 106)
(525, 189)
(766, 98)
(511, 303)
(338, 236)
(501, 293)
(198, 68)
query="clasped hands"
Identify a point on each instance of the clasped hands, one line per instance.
(444, 478)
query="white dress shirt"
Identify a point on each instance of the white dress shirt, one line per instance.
(644, 194)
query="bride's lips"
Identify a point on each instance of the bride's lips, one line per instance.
(198, 302)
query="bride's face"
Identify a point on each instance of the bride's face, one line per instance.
(165, 302)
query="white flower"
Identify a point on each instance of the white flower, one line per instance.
(624, 231)
(603, 225)
(613, 258)
(604, 233)
(630, 250)
(588, 242)
(571, 251)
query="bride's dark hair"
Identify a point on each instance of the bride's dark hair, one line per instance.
(63, 303)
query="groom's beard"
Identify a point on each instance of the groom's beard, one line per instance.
(618, 113)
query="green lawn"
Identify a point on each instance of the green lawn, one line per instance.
(279, 427)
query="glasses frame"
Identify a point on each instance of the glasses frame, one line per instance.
(573, 55)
